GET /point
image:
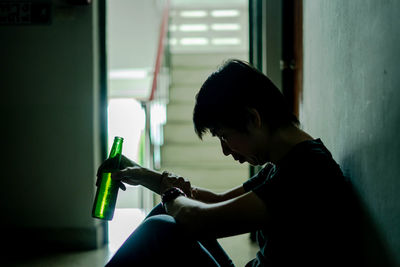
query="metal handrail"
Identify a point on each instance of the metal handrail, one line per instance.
(160, 49)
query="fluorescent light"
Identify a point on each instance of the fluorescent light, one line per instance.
(225, 41)
(225, 13)
(193, 27)
(194, 41)
(127, 74)
(193, 14)
(225, 27)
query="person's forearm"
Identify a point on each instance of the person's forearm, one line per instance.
(207, 196)
(234, 192)
(152, 181)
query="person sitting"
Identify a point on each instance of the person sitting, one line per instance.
(300, 204)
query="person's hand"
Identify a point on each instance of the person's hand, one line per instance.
(136, 175)
(152, 179)
(172, 180)
(108, 165)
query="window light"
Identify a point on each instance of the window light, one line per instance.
(194, 41)
(193, 14)
(225, 13)
(193, 27)
(225, 27)
(225, 41)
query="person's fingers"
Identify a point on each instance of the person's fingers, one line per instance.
(126, 174)
(194, 192)
(108, 164)
(188, 188)
(183, 184)
(118, 175)
(122, 186)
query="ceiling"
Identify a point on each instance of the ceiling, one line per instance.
(132, 39)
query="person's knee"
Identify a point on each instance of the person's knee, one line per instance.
(161, 223)
(157, 210)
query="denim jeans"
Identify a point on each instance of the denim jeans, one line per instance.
(160, 241)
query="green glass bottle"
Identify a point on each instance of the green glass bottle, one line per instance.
(107, 191)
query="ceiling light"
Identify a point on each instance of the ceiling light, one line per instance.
(225, 41)
(225, 27)
(193, 14)
(194, 41)
(225, 13)
(193, 27)
(127, 74)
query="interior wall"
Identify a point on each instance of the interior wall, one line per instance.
(50, 128)
(133, 26)
(351, 101)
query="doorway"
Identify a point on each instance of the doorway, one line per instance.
(129, 45)
(126, 118)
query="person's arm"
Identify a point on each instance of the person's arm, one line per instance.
(231, 217)
(207, 196)
(158, 182)
(153, 180)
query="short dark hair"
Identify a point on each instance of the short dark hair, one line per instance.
(228, 94)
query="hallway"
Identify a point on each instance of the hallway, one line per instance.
(54, 113)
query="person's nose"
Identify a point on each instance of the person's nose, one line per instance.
(225, 148)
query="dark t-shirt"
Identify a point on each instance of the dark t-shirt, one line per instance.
(310, 208)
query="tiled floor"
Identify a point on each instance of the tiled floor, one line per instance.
(239, 248)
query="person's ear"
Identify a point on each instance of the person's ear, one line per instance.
(255, 118)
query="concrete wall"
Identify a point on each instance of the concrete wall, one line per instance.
(50, 128)
(351, 100)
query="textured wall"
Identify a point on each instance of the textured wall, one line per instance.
(351, 100)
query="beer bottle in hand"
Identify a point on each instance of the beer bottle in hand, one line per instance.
(107, 190)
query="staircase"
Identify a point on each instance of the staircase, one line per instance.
(202, 162)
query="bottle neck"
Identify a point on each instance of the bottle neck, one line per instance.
(116, 150)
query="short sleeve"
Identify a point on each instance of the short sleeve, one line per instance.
(259, 178)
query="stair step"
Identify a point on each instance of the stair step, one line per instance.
(183, 94)
(201, 161)
(204, 155)
(187, 76)
(184, 133)
(207, 60)
(182, 112)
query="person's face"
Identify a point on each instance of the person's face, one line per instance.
(243, 146)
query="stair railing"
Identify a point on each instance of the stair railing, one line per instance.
(156, 103)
